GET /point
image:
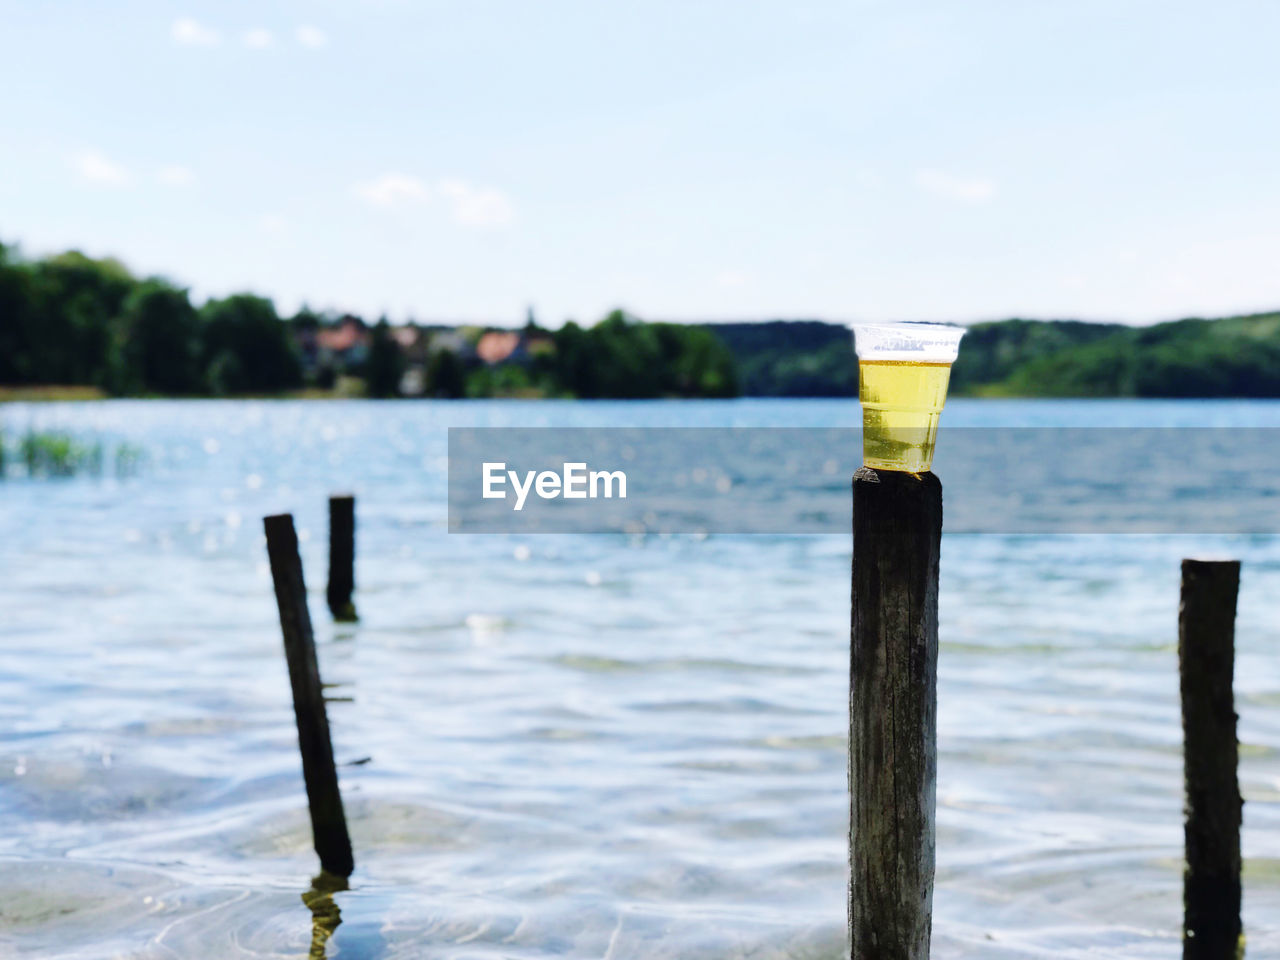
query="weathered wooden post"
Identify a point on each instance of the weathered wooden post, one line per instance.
(893, 708)
(903, 371)
(328, 822)
(342, 557)
(1211, 927)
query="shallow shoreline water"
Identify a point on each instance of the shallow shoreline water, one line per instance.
(579, 746)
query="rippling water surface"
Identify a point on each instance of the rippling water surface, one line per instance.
(593, 746)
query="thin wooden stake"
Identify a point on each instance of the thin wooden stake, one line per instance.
(1206, 659)
(342, 557)
(893, 684)
(328, 822)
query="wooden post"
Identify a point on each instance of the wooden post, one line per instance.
(893, 709)
(328, 822)
(1211, 927)
(342, 557)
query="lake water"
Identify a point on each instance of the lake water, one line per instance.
(582, 746)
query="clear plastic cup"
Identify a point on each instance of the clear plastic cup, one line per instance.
(903, 371)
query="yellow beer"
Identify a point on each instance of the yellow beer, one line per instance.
(901, 402)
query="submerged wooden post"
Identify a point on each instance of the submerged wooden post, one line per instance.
(328, 822)
(1211, 927)
(342, 557)
(893, 708)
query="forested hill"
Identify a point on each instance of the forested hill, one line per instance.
(791, 358)
(1229, 357)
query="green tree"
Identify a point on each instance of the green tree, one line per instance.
(791, 358)
(574, 366)
(625, 358)
(991, 352)
(305, 319)
(506, 380)
(615, 358)
(246, 347)
(74, 301)
(695, 362)
(385, 365)
(446, 377)
(225, 375)
(628, 355)
(156, 344)
(17, 299)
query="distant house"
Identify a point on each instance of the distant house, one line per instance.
(408, 337)
(512, 346)
(345, 343)
(498, 346)
(454, 340)
(413, 342)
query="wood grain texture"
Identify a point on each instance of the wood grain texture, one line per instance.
(328, 821)
(1206, 659)
(342, 557)
(897, 532)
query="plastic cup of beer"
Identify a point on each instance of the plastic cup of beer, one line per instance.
(903, 370)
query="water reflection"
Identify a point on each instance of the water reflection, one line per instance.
(362, 931)
(325, 915)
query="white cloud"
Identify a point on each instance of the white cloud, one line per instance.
(176, 175)
(952, 187)
(469, 205)
(94, 167)
(312, 37)
(393, 190)
(476, 206)
(258, 38)
(192, 33)
(273, 224)
(731, 278)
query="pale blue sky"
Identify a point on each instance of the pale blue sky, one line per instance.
(686, 159)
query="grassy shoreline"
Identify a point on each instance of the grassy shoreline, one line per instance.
(36, 393)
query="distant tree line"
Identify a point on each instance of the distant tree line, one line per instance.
(70, 319)
(792, 358)
(73, 320)
(622, 358)
(1229, 357)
